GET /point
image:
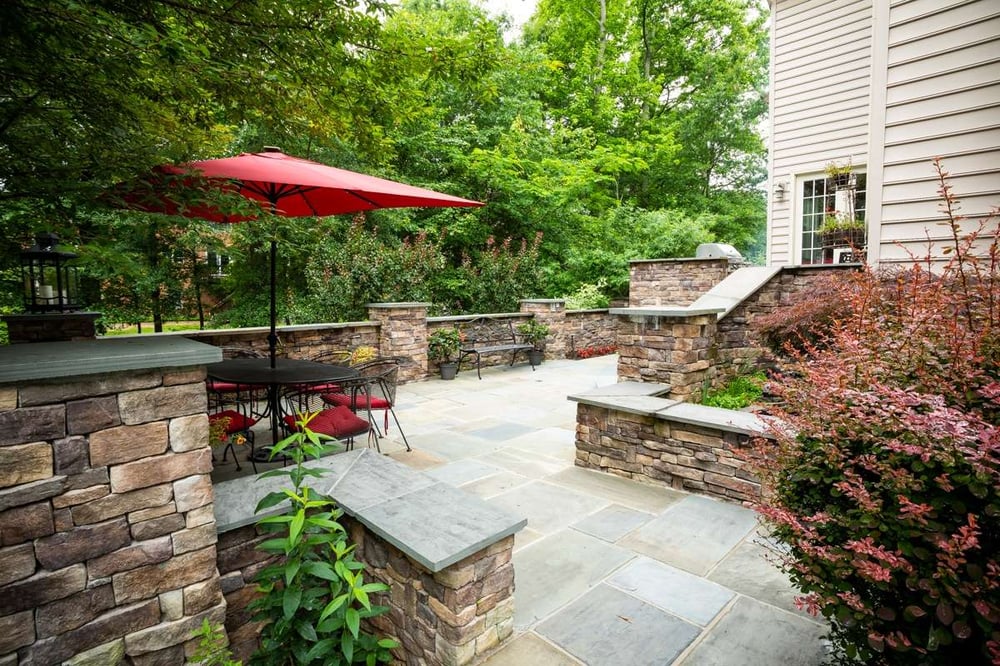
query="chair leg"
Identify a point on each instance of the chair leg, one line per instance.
(398, 427)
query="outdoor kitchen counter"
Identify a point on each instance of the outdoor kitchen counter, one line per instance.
(432, 522)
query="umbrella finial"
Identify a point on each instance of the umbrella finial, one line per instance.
(271, 149)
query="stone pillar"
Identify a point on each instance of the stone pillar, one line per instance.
(51, 327)
(552, 312)
(674, 347)
(403, 332)
(673, 282)
(450, 617)
(107, 528)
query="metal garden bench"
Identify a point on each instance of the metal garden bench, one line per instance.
(489, 336)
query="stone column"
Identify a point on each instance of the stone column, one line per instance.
(669, 346)
(673, 282)
(107, 528)
(551, 312)
(403, 332)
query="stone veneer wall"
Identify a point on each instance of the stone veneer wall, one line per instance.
(737, 347)
(293, 341)
(107, 531)
(403, 333)
(450, 617)
(660, 451)
(589, 328)
(670, 347)
(673, 282)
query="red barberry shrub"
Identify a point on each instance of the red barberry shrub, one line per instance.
(883, 478)
(807, 320)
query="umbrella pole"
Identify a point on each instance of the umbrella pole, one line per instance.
(272, 339)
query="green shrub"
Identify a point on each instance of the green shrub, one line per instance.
(315, 596)
(739, 392)
(884, 481)
(588, 297)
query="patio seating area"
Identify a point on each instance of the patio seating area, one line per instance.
(607, 571)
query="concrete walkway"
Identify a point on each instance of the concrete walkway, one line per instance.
(608, 571)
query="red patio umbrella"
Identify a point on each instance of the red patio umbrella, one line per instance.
(294, 187)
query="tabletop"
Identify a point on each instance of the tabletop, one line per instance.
(286, 371)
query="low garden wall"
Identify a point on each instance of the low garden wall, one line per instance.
(629, 430)
(451, 580)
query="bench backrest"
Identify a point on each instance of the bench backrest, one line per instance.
(486, 331)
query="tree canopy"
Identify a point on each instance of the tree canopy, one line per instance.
(617, 129)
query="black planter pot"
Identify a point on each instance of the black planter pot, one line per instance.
(536, 356)
(448, 370)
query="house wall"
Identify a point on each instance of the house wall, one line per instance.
(820, 81)
(890, 85)
(941, 98)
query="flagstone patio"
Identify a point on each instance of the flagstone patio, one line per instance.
(608, 571)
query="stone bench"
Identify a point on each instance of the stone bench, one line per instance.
(629, 430)
(445, 554)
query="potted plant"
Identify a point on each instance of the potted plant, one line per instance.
(839, 230)
(535, 333)
(840, 174)
(442, 346)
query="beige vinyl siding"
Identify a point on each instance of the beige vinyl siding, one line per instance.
(942, 99)
(821, 61)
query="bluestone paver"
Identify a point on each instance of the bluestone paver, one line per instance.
(748, 570)
(693, 534)
(607, 627)
(557, 569)
(752, 632)
(612, 522)
(688, 596)
(546, 506)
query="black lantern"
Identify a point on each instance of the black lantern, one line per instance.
(50, 283)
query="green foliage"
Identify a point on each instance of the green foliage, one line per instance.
(443, 344)
(739, 392)
(588, 297)
(315, 596)
(212, 647)
(534, 332)
(883, 482)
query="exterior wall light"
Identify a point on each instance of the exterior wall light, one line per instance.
(780, 190)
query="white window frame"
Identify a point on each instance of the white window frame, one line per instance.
(799, 214)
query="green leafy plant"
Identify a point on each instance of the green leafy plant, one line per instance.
(835, 169)
(835, 222)
(739, 392)
(534, 332)
(589, 296)
(883, 477)
(315, 596)
(443, 344)
(213, 648)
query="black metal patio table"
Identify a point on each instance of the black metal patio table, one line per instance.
(286, 372)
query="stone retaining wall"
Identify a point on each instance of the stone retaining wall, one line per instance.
(737, 348)
(293, 341)
(692, 451)
(107, 530)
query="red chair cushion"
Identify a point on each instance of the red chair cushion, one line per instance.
(336, 422)
(360, 401)
(237, 422)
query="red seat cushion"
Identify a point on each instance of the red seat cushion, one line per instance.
(360, 401)
(237, 422)
(336, 422)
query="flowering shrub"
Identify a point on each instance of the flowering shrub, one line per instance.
(886, 486)
(589, 352)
